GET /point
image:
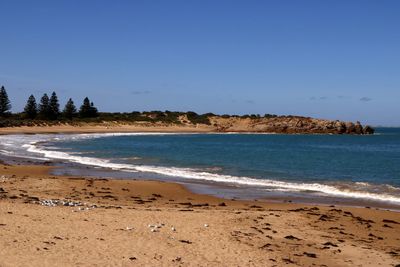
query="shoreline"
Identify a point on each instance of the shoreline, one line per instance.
(115, 213)
(216, 186)
(223, 191)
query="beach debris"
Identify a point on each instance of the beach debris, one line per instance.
(177, 259)
(290, 237)
(311, 255)
(330, 244)
(66, 203)
(3, 178)
(287, 260)
(265, 246)
(173, 229)
(324, 218)
(390, 221)
(129, 228)
(56, 202)
(185, 241)
(155, 227)
(205, 225)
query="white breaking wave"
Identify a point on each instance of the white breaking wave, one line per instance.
(31, 145)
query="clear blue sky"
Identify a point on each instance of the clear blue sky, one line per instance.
(326, 59)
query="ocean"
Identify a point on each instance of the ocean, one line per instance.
(347, 169)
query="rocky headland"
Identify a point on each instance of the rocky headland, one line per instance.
(289, 125)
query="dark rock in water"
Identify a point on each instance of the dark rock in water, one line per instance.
(368, 130)
(358, 129)
(340, 127)
(350, 127)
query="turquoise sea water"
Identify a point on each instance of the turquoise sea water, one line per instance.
(341, 166)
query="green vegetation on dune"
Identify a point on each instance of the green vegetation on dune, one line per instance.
(47, 112)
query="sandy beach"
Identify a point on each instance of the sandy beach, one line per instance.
(105, 128)
(200, 133)
(149, 223)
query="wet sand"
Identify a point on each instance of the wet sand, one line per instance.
(108, 222)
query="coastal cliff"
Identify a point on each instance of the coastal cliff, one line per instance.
(289, 125)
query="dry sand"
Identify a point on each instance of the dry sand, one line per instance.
(208, 231)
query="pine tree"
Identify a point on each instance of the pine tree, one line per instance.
(5, 104)
(88, 110)
(44, 107)
(54, 107)
(69, 110)
(93, 110)
(30, 109)
(84, 111)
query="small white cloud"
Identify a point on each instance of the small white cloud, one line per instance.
(365, 99)
(144, 92)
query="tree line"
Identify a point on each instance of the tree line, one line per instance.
(49, 107)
